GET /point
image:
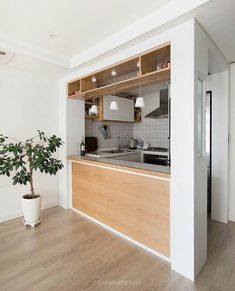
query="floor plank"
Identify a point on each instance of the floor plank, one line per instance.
(68, 252)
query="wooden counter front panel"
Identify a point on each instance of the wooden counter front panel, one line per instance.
(135, 205)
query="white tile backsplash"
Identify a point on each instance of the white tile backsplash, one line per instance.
(122, 129)
(154, 131)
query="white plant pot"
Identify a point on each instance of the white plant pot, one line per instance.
(31, 210)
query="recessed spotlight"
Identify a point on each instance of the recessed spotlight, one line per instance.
(53, 36)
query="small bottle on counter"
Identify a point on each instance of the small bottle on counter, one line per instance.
(82, 148)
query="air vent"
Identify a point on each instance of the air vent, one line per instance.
(5, 56)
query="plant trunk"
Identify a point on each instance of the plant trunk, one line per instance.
(31, 178)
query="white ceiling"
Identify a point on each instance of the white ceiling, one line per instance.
(79, 24)
(218, 19)
(87, 29)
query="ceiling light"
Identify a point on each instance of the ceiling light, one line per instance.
(114, 73)
(93, 79)
(113, 105)
(94, 109)
(139, 102)
(5, 56)
(53, 36)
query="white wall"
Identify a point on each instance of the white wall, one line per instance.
(200, 166)
(27, 102)
(232, 145)
(154, 131)
(207, 58)
(219, 85)
(182, 180)
(75, 116)
(182, 150)
(122, 129)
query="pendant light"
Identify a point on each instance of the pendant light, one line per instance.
(94, 108)
(139, 100)
(114, 104)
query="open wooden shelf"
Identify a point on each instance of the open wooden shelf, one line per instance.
(74, 88)
(150, 67)
(155, 60)
(145, 80)
(125, 71)
(107, 89)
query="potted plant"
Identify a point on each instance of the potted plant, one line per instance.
(21, 159)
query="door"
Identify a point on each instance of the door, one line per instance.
(208, 146)
(218, 84)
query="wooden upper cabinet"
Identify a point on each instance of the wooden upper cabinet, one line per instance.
(126, 70)
(150, 67)
(74, 88)
(155, 61)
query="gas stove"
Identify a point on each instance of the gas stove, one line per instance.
(157, 149)
(156, 156)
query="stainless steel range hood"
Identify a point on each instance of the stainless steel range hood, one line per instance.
(162, 110)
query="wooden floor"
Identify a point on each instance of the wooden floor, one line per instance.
(68, 252)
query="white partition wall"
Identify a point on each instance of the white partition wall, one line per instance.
(71, 129)
(188, 209)
(182, 151)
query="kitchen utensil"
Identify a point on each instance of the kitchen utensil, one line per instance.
(132, 143)
(146, 145)
(139, 144)
(105, 131)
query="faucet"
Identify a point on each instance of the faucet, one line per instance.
(118, 143)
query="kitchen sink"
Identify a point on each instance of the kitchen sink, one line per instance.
(117, 151)
(110, 153)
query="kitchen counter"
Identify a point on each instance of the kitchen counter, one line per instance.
(129, 164)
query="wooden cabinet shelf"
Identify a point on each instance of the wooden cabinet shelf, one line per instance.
(99, 103)
(119, 86)
(150, 67)
(125, 71)
(137, 115)
(156, 60)
(74, 88)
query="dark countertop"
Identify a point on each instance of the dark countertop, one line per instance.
(141, 166)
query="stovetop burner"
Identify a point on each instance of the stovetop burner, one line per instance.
(157, 149)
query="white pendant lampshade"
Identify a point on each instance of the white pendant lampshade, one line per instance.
(139, 102)
(94, 109)
(113, 105)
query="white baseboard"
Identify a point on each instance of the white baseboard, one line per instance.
(232, 217)
(19, 214)
(10, 216)
(123, 235)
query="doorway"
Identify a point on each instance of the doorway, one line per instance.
(209, 149)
